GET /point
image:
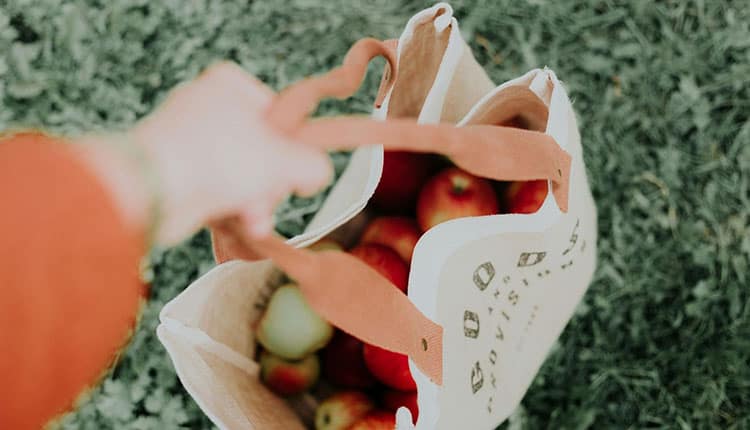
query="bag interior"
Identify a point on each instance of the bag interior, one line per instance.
(514, 106)
(419, 62)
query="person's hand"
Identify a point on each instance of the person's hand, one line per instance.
(215, 155)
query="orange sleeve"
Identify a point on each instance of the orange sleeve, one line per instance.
(69, 287)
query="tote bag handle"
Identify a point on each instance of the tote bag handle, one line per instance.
(490, 151)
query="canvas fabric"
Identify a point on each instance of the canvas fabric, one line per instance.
(488, 296)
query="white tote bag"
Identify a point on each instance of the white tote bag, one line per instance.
(488, 296)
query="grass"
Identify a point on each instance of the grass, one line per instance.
(662, 338)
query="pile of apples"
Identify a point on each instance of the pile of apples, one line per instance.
(416, 192)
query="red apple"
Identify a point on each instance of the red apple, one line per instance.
(386, 262)
(344, 362)
(393, 399)
(288, 378)
(326, 244)
(391, 368)
(404, 174)
(398, 233)
(452, 194)
(525, 197)
(342, 410)
(379, 420)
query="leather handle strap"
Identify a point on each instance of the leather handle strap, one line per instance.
(355, 298)
(294, 104)
(493, 152)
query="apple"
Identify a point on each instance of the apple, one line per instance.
(386, 261)
(348, 234)
(288, 378)
(391, 368)
(525, 197)
(379, 420)
(393, 399)
(452, 194)
(516, 122)
(326, 244)
(290, 328)
(399, 233)
(342, 410)
(344, 362)
(404, 174)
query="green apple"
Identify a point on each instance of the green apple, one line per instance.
(288, 378)
(290, 328)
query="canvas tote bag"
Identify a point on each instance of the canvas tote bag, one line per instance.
(487, 295)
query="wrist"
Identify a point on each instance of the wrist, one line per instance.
(121, 176)
(176, 188)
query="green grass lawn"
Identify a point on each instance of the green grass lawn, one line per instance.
(662, 89)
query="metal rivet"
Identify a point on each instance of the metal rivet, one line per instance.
(424, 344)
